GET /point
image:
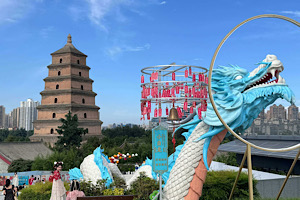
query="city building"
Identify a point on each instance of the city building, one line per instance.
(2, 116)
(15, 118)
(293, 112)
(28, 113)
(277, 112)
(67, 88)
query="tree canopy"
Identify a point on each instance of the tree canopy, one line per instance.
(71, 135)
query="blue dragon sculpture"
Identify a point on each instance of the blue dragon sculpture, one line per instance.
(239, 96)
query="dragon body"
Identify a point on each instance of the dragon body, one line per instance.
(239, 96)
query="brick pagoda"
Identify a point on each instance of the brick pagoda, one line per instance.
(67, 88)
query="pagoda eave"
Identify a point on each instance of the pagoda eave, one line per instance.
(65, 65)
(67, 107)
(70, 77)
(68, 91)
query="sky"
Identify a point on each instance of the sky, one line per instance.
(121, 37)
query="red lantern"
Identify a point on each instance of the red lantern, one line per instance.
(159, 112)
(142, 79)
(190, 71)
(167, 111)
(186, 89)
(191, 109)
(199, 112)
(185, 105)
(186, 73)
(148, 115)
(173, 76)
(194, 77)
(155, 112)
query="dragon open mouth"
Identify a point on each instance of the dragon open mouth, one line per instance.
(267, 79)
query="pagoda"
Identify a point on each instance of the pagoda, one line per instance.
(67, 88)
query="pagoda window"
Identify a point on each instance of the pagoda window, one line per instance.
(78, 62)
(79, 73)
(51, 131)
(84, 115)
(55, 100)
(83, 101)
(57, 86)
(81, 87)
(60, 60)
(53, 115)
(58, 73)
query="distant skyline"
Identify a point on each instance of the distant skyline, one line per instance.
(122, 37)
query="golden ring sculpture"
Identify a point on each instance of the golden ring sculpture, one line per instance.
(210, 75)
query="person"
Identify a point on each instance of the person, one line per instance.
(9, 191)
(31, 180)
(16, 180)
(136, 166)
(51, 177)
(75, 191)
(58, 188)
(34, 181)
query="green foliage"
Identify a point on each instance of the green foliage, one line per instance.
(118, 183)
(20, 165)
(15, 135)
(113, 192)
(71, 134)
(93, 190)
(38, 191)
(143, 187)
(218, 185)
(228, 158)
(71, 158)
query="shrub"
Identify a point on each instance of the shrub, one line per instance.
(113, 192)
(39, 191)
(143, 187)
(218, 185)
(90, 189)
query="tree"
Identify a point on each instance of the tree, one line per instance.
(20, 165)
(71, 134)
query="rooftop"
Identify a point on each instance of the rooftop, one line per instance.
(25, 150)
(267, 141)
(69, 48)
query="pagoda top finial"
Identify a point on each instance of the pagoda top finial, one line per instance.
(69, 39)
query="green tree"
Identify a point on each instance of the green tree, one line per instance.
(71, 134)
(20, 165)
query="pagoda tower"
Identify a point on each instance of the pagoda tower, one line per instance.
(67, 88)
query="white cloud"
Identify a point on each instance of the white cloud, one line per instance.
(163, 2)
(46, 31)
(116, 50)
(295, 13)
(100, 9)
(14, 10)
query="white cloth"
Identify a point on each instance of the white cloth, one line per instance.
(58, 190)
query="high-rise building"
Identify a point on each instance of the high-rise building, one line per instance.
(262, 114)
(293, 112)
(2, 116)
(277, 112)
(16, 118)
(28, 113)
(67, 88)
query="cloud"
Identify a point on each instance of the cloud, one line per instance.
(46, 31)
(163, 2)
(101, 9)
(13, 10)
(117, 50)
(295, 13)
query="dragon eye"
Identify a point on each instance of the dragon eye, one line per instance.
(238, 77)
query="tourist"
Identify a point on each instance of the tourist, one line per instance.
(51, 177)
(31, 180)
(58, 188)
(136, 166)
(9, 191)
(16, 180)
(75, 191)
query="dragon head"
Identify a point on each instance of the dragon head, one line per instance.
(241, 95)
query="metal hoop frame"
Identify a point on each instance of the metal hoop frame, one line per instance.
(210, 75)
